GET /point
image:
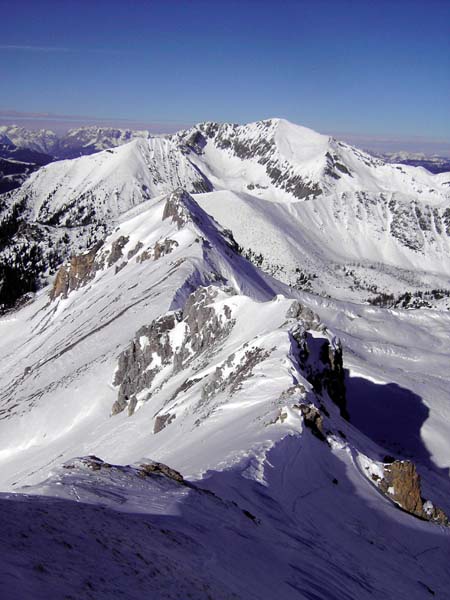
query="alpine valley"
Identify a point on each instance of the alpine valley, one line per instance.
(224, 368)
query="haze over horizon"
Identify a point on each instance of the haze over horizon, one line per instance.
(374, 75)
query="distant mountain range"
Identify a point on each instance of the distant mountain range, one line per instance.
(24, 151)
(433, 163)
(76, 142)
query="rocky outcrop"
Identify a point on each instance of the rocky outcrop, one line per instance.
(147, 469)
(138, 365)
(313, 420)
(81, 270)
(83, 267)
(334, 376)
(201, 327)
(161, 421)
(233, 372)
(157, 468)
(176, 209)
(320, 359)
(310, 320)
(116, 249)
(160, 249)
(164, 247)
(205, 326)
(401, 484)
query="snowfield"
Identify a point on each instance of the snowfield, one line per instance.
(274, 405)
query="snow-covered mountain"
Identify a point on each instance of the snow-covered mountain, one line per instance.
(40, 140)
(76, 142)
(88, 140)
(237, 437)
(299, 204)
(433, 163)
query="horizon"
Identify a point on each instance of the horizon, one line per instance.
(372, 143)
(375, 76)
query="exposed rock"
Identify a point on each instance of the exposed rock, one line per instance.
(82, 268)
(401, 484)
(203, 328)
(92, 462)
(161, 248)
(147, 469)
(165, 247)
(334, 377)
(313, 420)
(176, 209)
(116, 249)
(119, 267)
(300, 312)
(134, 250)
(323, 367)
(151, 347)
(80, 271)
(143, 256)
(295, 391)
(157, 468)
(162, 421)
(240, 371)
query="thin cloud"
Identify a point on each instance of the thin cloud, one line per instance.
(34, 48)
(61, 49)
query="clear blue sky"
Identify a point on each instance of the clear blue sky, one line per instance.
(369, 67)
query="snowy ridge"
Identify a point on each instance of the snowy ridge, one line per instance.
(374, 231)
(290, 430)
(109, 183)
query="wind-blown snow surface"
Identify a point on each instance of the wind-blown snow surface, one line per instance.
(293, 515)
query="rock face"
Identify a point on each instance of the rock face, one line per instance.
(401, 484)
(313, 420)
(334, 377)
(162, 421)
(160, 249)
(116, 249)
(83, 267)
(80, 270)
(148, 353)
(319, 359)
(175, 208)
(200, 327)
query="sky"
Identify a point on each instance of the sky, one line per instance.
(369, 69)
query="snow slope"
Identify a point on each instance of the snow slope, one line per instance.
(109, 183)
(298, 203)
(164, 343)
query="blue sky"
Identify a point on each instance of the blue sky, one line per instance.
(369, 68)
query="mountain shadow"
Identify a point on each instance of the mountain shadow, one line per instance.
(390, 415)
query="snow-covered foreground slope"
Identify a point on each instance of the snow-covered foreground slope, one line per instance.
(165, 344)
(314, 529)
